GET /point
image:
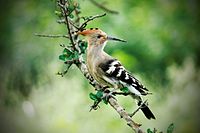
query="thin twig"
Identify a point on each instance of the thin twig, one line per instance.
(77, 12)
(61, 4)
(73, 24)
(62, 21)
(51, 36)
(147, 93)
(155, 130)
(84, 24)
(103, 7)
(63, 73)
(132, 114)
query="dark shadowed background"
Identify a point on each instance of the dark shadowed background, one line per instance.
(163, 51)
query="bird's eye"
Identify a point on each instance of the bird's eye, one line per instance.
(99, 36)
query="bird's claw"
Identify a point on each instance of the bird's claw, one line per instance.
(108, 95)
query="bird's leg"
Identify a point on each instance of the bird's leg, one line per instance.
(108, 94)
(105, 87)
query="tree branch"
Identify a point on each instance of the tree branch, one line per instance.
(51, 36)
(84, 24)
(62, 21)
(103, 7)
(64, 12)
(80, 63)
(65, 71)
(136, 127)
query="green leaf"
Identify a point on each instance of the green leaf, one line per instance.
(83, 46)
(99, 94)
(105, 101)
(93, 97)
(71, 8)
(71, 15)
(58, 13)
(170, 128)
(67, 55)
(67, 51)
(62, 57)
(78, 6)
(149, 130)
(75, 55)
(70, 5)
(125, 90)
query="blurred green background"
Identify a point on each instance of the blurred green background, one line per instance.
(163, 51)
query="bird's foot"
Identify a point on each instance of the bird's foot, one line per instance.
(105, 87)
(108, 94)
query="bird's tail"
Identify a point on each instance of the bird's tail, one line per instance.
(145, 109)
(147, 112)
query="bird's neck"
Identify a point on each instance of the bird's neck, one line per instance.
(95, 52)
(95, 49)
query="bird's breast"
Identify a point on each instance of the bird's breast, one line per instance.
(92, 65)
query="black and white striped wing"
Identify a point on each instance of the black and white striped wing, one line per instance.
(114, 70)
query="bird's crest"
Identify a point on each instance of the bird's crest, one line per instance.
(90, 31)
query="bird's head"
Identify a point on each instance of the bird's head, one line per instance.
(96, 37)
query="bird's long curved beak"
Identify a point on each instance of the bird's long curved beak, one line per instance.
(115, 39)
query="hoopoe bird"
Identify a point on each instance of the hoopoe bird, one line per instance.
(108, 71)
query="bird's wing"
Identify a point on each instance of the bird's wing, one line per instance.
(113, 69)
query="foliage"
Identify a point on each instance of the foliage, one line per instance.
(149, 131)
(170, 129)
(83, 46)
(67, 55)
(161, 35)
(125, 90)
(98, 97)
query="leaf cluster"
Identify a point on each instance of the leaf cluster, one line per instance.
(98, 97)
(170, 129)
